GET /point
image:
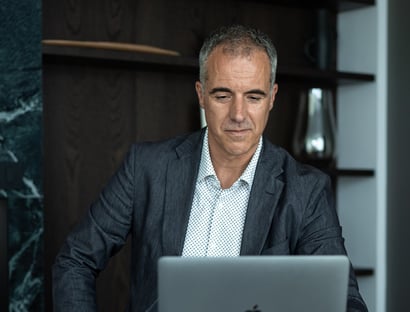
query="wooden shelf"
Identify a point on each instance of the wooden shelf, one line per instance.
(363, 271)
(345, 172)
(331, 169)
(107, 57)
(335, 172)
(315, 77)
(335, 5)
(155, 62)
(353, 5)
(354, 172)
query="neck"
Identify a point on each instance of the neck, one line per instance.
(228, 173)
(228, 169)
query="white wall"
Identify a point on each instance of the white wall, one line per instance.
(361, 112)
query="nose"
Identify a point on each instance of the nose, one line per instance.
(237, 110)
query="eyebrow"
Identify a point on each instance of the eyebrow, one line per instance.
(222, 89)
(256, 91)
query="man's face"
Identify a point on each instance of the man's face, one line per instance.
(237, 100)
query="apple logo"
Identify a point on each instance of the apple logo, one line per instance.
(254, 309)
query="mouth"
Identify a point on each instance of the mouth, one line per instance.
(237, 132)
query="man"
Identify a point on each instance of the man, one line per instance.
(223, 191)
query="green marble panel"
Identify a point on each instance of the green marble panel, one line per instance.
(21, 145)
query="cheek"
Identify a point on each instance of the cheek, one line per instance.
(260, 116)
(217, 111)
(219, 120)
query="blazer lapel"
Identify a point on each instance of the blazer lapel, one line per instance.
(180, 185)
(264, 197)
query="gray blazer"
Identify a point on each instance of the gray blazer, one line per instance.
(290, 211)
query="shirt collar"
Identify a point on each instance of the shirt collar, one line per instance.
(206, 168)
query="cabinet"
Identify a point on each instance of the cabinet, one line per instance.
(98, 101)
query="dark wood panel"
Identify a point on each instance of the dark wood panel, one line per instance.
(88, 130)
(280, 127)
(148, 22)
(112, 20)
(92, 114)
(176, 25)
(168, 105)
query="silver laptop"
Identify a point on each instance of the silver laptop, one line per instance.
(253, 284)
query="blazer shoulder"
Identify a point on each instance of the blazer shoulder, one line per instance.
(291, 170)
(175, 147)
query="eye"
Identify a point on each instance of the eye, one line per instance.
(222, 97)
(254, 98)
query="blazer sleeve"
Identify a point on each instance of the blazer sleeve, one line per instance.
(99, 235)
(321, 233)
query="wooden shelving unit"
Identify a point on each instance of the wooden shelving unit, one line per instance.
(112, 97)
(155, 62)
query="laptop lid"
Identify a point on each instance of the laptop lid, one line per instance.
(253, 284)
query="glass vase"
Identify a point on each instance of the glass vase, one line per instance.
(314, 139)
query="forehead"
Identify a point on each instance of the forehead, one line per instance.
(238, 64)
(233, 51)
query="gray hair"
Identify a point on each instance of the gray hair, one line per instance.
(238, 39)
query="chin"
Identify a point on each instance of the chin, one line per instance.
(238, 151)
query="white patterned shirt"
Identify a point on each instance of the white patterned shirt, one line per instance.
(217, 215)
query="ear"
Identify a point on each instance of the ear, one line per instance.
(199, 93)
(273, 95)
